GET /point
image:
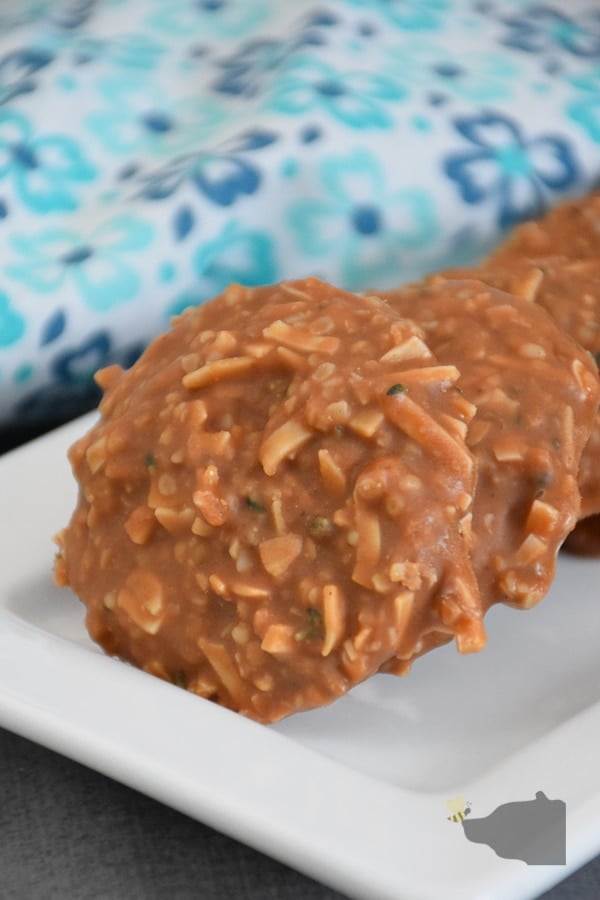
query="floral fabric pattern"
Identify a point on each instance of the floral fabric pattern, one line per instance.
(503, 163)
(96, 265)
(584, 108)
(42, 168)
(409, 15)
(153, 152)
(356, 99)
(354, 218)
(543, 27)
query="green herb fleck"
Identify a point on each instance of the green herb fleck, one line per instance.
(597, 359)
(254, 504)
(278, 388)
(149, 460)
(320, 528)
(396, 389)
(541, 483)
(180, 679)
(314, 627)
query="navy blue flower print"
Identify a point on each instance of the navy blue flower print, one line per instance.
(184, 222)
(18, 70)
(53, 327)
(77, 366)
(246, 71)
(221, 176)
(252, 65)
(544, 28)
(505, 165)
(152, 151)
(72, 15)
(71, 389)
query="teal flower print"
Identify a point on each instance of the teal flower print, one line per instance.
(235, 255)
(357, 219)
(584, 109)
(214, 18)
(408, 15)
(12, 323)
(445, 71)
(129, 51)
(99, 265)
(356, 98)
(43, 168)
(137, 118)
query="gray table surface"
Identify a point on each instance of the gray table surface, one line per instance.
(69, 833)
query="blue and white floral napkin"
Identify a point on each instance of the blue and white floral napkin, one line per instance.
(152, 151)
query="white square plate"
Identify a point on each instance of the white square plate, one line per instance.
(354, 794)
